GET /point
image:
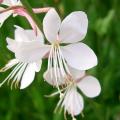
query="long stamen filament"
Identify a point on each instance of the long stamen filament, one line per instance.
(11, 74)
(60, 63)
(16, 75)
(55, 69)
(64, 62)
(15, 70)
(57, 64)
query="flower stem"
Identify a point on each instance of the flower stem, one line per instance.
(31, 13)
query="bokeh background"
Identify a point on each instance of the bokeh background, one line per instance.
(103, 37)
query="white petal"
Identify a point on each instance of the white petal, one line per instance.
(9, 41)
(6, 2)
(28, 76)
(79, 56)
(76, 74)
(52, 79)
(74, 27)
(22, 35)
(15, 2)
(32, 36)
(32, 51)
(4, 16)
(90, 86)
(12, 45)
(73, 102)
(28, 38)
(11, 2)
(38, 65)
(51, 25)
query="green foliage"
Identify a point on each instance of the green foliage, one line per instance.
(103, 37)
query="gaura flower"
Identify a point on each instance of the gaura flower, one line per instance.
(24, 71)
(71, 30)
(65, 47)
(72, 101)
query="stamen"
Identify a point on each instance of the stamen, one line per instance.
(16, 75)
(9, 65)
(61, 101)
(66, 67)
(82, 114)
(55, 68)
(19, 76)
(50, 62)
(65, 117)
(60, 63)
(15, 70)
(55, 93)
(57, 65)
(11, 74)
(58, 105)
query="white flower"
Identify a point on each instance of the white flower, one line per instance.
(72, 101)
(71, 30)
(24, 71)
(4, 15)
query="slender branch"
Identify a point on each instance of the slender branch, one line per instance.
(35, 10)
(10, 8)
(31, 13)
(41, 10)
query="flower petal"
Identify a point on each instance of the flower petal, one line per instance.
(74, 27)
(79, 56)
(32, 51)
(16, 2)
(28, 38)
(90, 86)
(50, 79)
(4, 16)
(6, 2)
(11, 2)
(38, 65)
(32, 36)
(76, 74)
(22, 35)
(51, 25)
(12, 44)
(73, 102)
(28, 76)
(9, 41)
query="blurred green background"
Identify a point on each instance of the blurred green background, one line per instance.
(103, 37)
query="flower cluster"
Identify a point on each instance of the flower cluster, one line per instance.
(68, 57)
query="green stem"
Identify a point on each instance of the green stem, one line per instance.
(31, 13)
